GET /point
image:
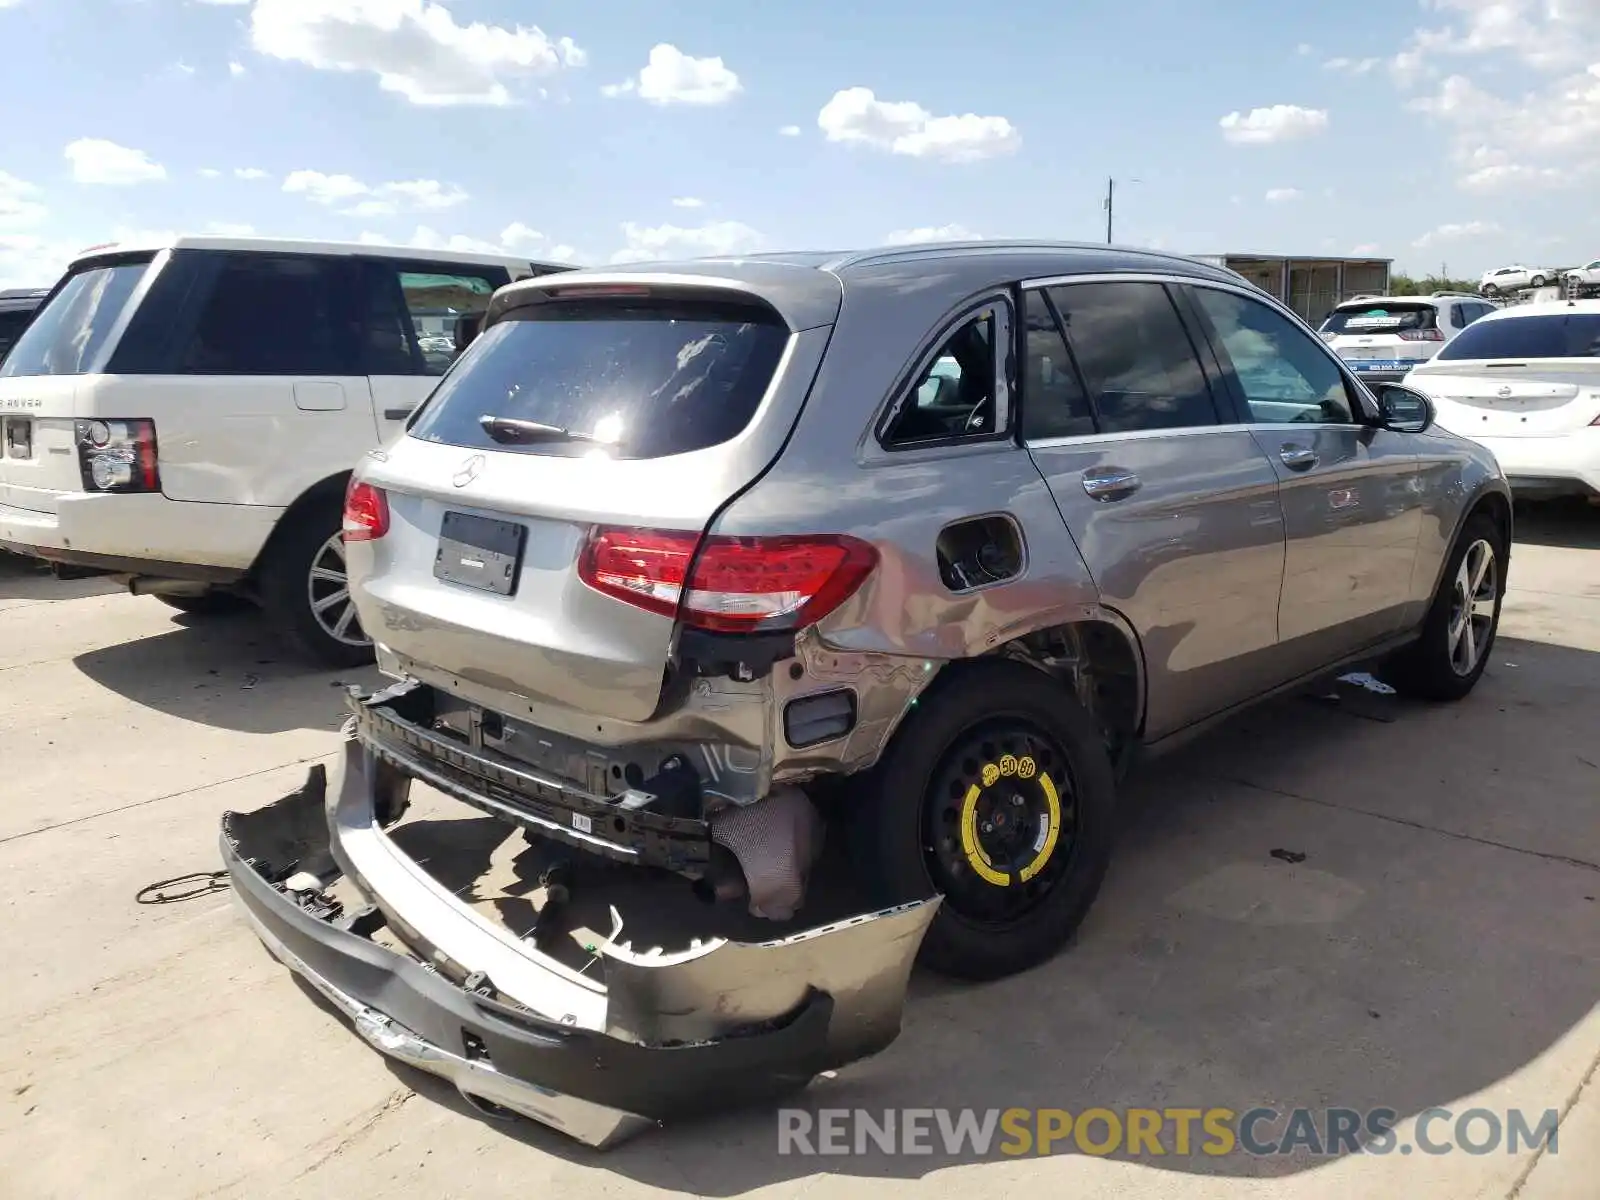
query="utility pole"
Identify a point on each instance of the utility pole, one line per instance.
(1111, 185)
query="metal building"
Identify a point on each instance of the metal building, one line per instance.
(1309, 284)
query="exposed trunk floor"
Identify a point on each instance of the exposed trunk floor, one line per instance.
(495, 868)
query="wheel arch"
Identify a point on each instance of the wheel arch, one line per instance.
(328, 491)
(1496, 502)
(1098, 658)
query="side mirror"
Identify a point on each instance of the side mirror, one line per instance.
(468, 326)
(1403, 409)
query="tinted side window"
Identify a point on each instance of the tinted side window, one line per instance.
(1137, 360)
(1054, 403)
(1283, 373)
(425, 301)
(955, 395)
(274, 314)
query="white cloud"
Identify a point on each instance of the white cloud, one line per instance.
(1279, 123)
(1282, 195)
(789, 131)
(28, 261)
(230, 229)
(421, 195)
(1364, 250)
(414, 47)
(719, 238)
(209, 173)
(517, 236)
(95, 160)
(1305, 49)
(931, 233)
(236, 69)
(856, 116)
(1515, 84)
(673, 77)
(688, 202)
(1457, 231)
(1353, 66)
(249, 173)
(19, 201)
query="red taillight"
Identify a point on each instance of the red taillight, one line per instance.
(366, 512)
(118, 454)
(738, 585)
(1422, 335)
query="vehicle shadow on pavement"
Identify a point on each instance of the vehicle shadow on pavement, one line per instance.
(229, 672)
(28, 579)
(1573, 524)
(1426, 946)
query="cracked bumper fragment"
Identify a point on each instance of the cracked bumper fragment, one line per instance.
(428, 980)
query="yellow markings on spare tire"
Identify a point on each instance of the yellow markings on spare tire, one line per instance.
(1044, 845)
(976, 858)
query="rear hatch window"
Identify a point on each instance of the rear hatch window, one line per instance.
(1381, 318)
(642, 378)
(69, 332)
(1559, 334)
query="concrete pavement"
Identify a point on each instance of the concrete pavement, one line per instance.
(1439, 945)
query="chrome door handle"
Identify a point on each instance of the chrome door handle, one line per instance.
(1110, 483)
(1298, 458)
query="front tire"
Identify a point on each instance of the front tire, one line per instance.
(1537, 281)
(304, 587)
(997, 793)
(1490, 291)
(1446, 662)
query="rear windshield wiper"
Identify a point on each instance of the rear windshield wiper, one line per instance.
(511, 431)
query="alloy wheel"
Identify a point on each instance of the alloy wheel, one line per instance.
(1472, 607)
(328, 589)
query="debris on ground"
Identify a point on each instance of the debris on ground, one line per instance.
(1364, 679)
(1289, 856)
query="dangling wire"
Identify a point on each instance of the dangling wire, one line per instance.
(198, 883)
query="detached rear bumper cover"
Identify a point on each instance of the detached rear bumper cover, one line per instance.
(673, 1034)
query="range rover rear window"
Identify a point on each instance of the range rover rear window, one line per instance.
(69, 332)
(635, 378)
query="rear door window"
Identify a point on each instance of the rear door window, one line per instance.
(642, 378)
(70, 331)
(271, 314)
(1140, 367)
(1543, 335)
(413, 309)
(1381, 318)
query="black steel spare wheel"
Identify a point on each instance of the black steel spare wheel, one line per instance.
(1000, 820)
(997, 794)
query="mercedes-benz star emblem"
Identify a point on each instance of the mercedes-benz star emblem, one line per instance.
(1505, 391)
(469, 471)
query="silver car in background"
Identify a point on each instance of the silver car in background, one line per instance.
(695, 572)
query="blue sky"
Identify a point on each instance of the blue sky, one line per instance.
(1449, 132)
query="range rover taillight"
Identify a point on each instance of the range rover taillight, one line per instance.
(118, 454)
(727, 584)
(366, 512)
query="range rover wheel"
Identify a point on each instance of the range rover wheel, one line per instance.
(208, 604)
(998, 795)
(305, 590)
(1458, 633)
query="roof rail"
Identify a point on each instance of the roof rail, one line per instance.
(1466, 295)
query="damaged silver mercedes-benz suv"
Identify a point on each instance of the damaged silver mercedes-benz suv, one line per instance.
(761, 626)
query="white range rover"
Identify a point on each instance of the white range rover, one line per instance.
(186, 415)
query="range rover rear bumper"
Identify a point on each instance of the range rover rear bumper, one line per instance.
(666, 1036)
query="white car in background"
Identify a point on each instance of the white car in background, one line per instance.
(1381, 338)
(1585, 277)
(1514, 279)
(1525, 382)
